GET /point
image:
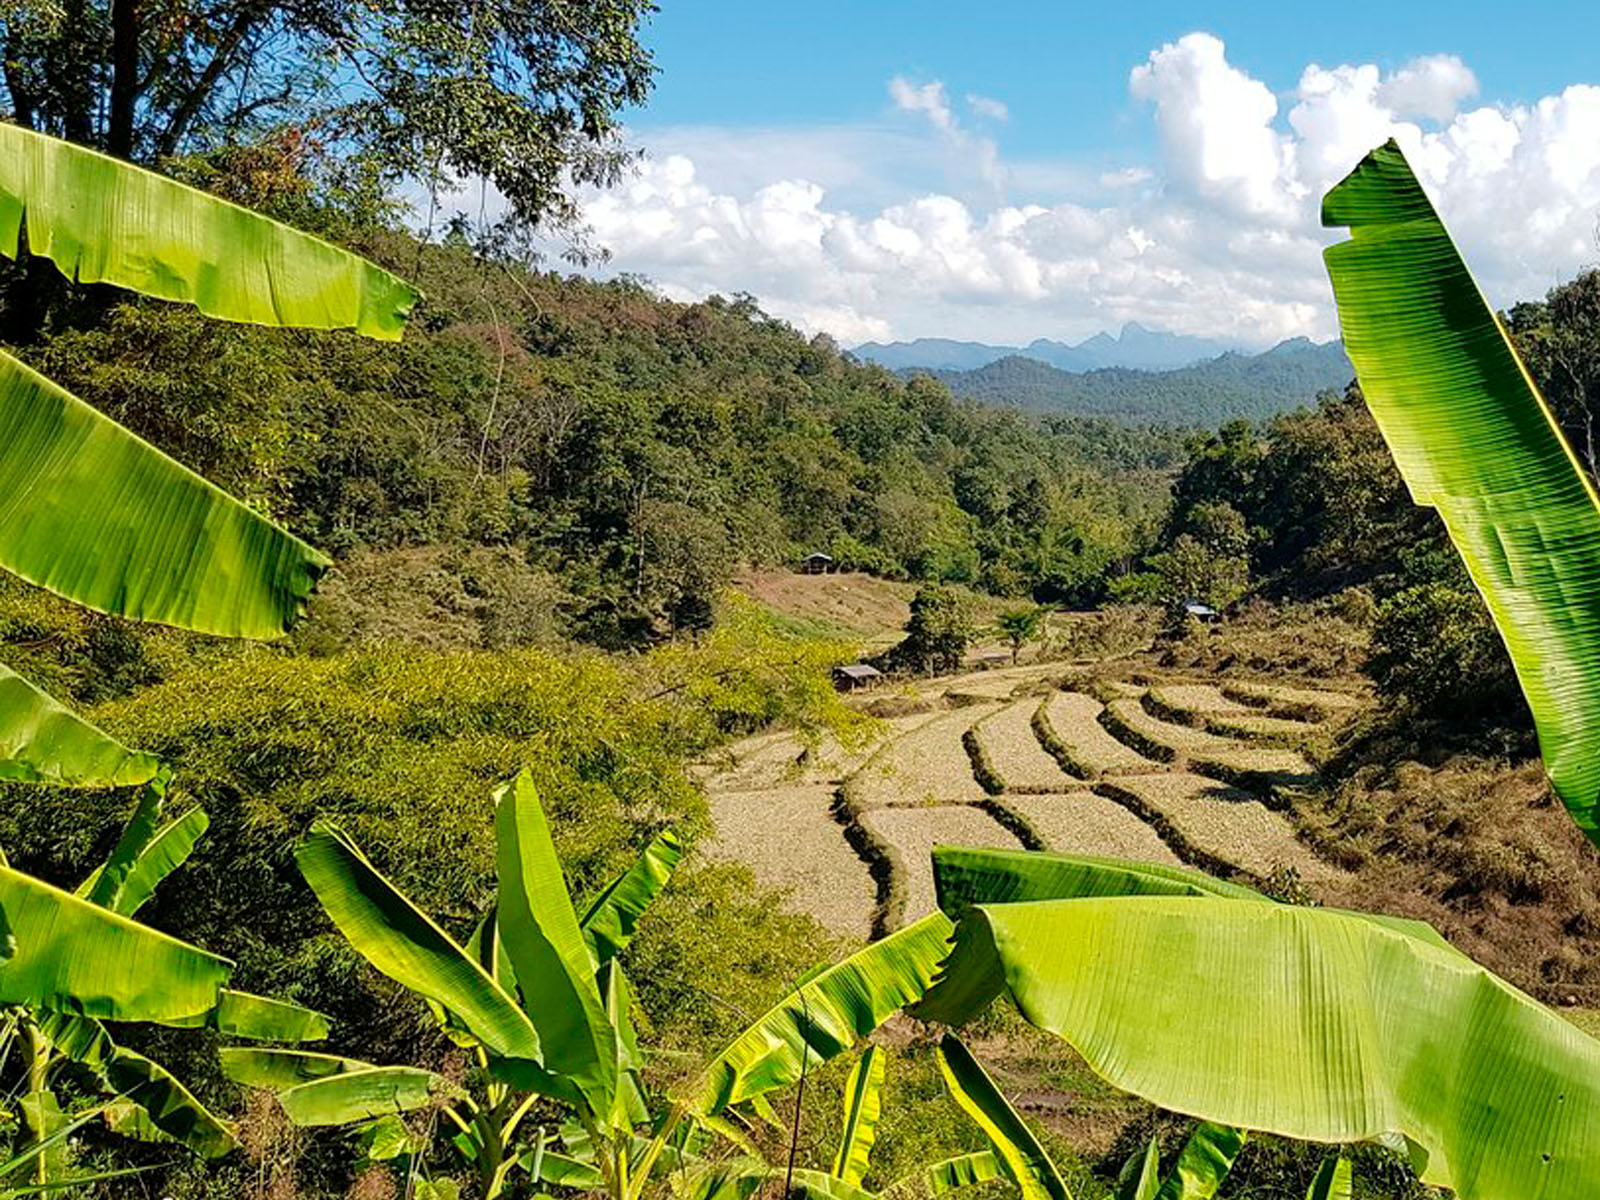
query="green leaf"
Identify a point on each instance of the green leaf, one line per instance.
(1203, 1163)
(255, 1066)
(824, 1016)
(1474, 439)
(539, 931)
(561, 1170)
(609, 924)
(965, 1170)
(1314, 1024)
(241, 1014)
(1332, 1180)
(76, 957)
(94, 514)
(360, 1095)
(168, 1105)
(628, 1105)
(1022, 1158)
(101, 220)
(42, 741)
(167, 849)
(1141, 1174)
(399, 939)
(863, 1104)
(971, 980)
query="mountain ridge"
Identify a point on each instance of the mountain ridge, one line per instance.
(1134, 346)
(1227, 387)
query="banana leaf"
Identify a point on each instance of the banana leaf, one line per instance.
(1021, 1157)
(261, 1067)
(243, 1014)
(144, 856)
(539, 932)
(1474, 439)
(1314, 1024)
(169, 1108)
(1141, 1175)
(101, 220)
(360, 1095)
(78, 958)
(93, 513)
(965, 1170)
(1203, 1163)
(971, 980)
(401, 941)
(1332, 1180)
(824, 1016)
(42, 741)
(863, 1104)
(609, 924)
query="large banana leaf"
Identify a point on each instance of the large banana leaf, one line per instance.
(101, 220)
(824, 1016)
(242, 1014)
(262, 1067)
(609, 924)
(1022, 1158)
(1475, 440)
(78, 958)
(99, 516)
(539, 931)
(863, 1105)
(964, 877)
(360, 1095)
(41, 741)
(401, 941)
(167, 1106)
(1315, 1024)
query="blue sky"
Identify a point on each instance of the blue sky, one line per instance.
(888, 169)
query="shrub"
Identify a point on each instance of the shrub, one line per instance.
(1434, 646)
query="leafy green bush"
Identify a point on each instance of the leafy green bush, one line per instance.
(1434, 646)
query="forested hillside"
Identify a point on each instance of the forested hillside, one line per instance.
(1232, 386)
(604, 455)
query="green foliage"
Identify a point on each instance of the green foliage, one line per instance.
(1020, 626)
(1434, 647)
(937, 634)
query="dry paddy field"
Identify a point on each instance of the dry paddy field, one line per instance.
(1008, 759)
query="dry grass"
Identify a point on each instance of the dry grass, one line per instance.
(912, 833)
(788, 838)
(926, 766)
(1281, 731)
(1075, 719)
(1316, 704)
(1196, 698)
(1084, 823)
(1221, 824)
(1014, 752)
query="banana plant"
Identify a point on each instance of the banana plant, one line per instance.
(1311, 1023)
(538, 996)
(94, 513)
(147, 1101)
(1474, 439)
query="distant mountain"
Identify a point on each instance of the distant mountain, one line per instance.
(1232, 385)
(1136, 347)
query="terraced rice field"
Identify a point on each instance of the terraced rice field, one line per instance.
(848, 832)
(1013, 750)
(1075, 720)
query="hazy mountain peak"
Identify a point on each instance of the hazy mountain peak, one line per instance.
(1135, 346)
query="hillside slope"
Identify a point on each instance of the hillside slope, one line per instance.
(1231, 386)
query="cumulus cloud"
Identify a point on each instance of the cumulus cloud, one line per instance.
(1219, 235)
(1431, 87)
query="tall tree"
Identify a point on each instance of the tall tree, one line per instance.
(522, 93)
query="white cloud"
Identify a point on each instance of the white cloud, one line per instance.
(1431, 87)
(928, 98)
(875, 231)
(988, 106)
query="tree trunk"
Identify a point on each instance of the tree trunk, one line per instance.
(124, 77)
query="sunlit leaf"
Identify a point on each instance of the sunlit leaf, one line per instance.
(1022, 1158)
